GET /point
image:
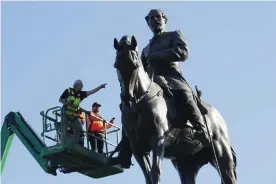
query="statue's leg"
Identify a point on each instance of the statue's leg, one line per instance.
(226, 161)
(132, 145)
(125, 153)
(187, 170)
(157, 157)
(159, 112)
(144, 162)
(135, 147)
(193, 113)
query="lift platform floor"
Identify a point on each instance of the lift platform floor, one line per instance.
(80, 159)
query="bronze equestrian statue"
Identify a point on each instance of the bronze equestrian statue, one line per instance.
(159, 105)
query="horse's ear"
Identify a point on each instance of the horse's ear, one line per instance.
(116, 44)
(133, 42)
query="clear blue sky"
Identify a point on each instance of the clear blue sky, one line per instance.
(46, 46)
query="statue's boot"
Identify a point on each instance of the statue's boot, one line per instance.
(202, 135)
(198, 122)
(195, 116)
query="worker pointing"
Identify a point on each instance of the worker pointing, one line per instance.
(71, 99)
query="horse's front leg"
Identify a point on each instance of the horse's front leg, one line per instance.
(143, 160)
(157, 157)
(130, 121)
(158, 140)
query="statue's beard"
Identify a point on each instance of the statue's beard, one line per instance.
(158, 29)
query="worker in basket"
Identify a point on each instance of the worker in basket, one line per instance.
(96, 128)
(71, 99)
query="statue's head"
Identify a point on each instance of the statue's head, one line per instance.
(156, 20)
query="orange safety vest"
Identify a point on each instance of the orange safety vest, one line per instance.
(96, 125)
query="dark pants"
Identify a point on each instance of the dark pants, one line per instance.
(81, 140)
(75, 124)
(93, 141)
(186, 107)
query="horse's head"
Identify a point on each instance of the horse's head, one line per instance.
(127, 63)
(127, 58)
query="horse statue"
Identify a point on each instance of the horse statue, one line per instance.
(147, 118)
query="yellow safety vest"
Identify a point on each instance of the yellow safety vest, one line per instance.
(73, 110)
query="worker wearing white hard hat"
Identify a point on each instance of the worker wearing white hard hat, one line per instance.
(71, 99)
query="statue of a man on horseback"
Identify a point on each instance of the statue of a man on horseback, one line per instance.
(161, 58)
(157, 103)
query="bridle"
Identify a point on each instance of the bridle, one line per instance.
(133, 83)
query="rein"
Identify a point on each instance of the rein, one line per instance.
(134, 83)
(147, 91)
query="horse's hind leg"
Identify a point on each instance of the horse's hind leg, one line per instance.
(226, 161)
(187, 171)
(144, 162)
